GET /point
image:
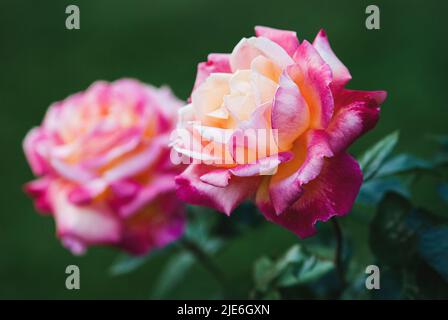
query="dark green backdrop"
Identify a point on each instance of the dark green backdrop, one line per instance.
(160, 42)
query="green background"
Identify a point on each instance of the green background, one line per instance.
(161, 42)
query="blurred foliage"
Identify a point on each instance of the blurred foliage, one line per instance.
(373, 159)
(408, 244)
(297, 267)
(412, 244)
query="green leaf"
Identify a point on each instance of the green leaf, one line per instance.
(173, 273)
(199, 231)
(442, 189)
(440, 139)
(429, 283)
(296, 267)
(403, 163)
(441, 159)
(263, 273)
(293, 255)
(311, 269)
(373, 191)
(201, 221)
(375, 156)
(273, 295)
(413, 245)
(392, 239)
(266, 271)
(433, 247)
(177, 267)
(125, 264)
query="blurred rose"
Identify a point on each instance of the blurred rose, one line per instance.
(103, 160)
(298, 171)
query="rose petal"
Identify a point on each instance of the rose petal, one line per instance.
(218, 177)
(249, 49)
(254, 139)
(346, 97)
(313, 77)
(139, 161)
(356, 112)
(310, 153)
(286, 39)
(190, 188)
(331, 194)
(38, 190)
(154, 226)
(74, 173)
(208, 97)
(266, 67)
(216, 63)
(84, 194)
(145, 195)
(34, 146)
(290, 113)
(263, 87)
(83, 225)
(341, 75)
(351, 122)
(264, 166)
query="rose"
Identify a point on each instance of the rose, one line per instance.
(103, 160)
(295, 93)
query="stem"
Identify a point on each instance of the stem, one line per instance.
(203, 258)
(338, 252)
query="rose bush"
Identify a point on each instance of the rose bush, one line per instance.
(295, 93)
(102, 158)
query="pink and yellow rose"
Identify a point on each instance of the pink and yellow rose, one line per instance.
(295, 92)
(104, 170)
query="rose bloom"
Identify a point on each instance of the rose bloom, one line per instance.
(295, 93)
(104, 170)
